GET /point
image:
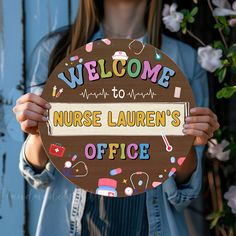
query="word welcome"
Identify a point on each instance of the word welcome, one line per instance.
(158, 74)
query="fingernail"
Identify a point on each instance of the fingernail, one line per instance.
(47, 105)
(44, 118)
(45, 113)
(184, 130)
(186, 126)
(192, 110)
(187, 118)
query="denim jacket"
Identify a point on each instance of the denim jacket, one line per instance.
(63, 204)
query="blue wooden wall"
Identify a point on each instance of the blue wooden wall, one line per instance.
(22, 24)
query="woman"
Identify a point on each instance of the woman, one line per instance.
(68, 210)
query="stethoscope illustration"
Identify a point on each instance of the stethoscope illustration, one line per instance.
(157, 54)
(68, 173)
(139, 173)
(130, 45)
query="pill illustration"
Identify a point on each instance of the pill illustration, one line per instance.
(172, 171)
(74, 58)
(115, 171)
(74, 157)
(172, 159)
(106, 41)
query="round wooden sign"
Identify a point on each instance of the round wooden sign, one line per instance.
(118, 110)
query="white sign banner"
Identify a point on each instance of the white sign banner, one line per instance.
(117, 119)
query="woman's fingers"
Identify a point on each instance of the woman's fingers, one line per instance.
(197, 133)
(201, 111)
(202, 124)
(205, 127)
(200, 119)
(31, 107)
(30, 97)
(24, 115)
(203, 115)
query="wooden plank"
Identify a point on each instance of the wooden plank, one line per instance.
(42, 17)
(11, 184)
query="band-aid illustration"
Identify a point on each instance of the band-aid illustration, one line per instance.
(177, 92)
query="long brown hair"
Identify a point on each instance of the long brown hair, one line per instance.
(90, 15)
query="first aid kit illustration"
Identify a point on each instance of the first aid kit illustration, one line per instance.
(118, 107)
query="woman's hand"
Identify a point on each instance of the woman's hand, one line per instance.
(202, 123)
(31, 109)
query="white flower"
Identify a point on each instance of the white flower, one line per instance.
(171, 17)
(209, 58)
(216, 150)
(231, 197)
(223, 8)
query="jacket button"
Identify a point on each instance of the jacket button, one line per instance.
(154, 201)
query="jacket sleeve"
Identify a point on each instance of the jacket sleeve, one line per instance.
(37, 179)
(181, 196)
(37, 74)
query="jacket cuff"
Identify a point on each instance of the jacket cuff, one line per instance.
(39, 179)
(181, 196)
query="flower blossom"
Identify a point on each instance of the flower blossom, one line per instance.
(223, 8)
(171, 18)
(231, 197)
(209, 58)
(216, 150)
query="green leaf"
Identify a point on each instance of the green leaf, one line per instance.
(185, 12)
(214, 218)
(233, 47)
(225, 62)
(183, 24)
(191, 19)
(233, 69)
(231, 146)
(226, 92)
(214, 222)
(184, 30)
(223, 20)
(221, 74)
(218, 44)
(218, 26)
(226, 30)
(194, 11)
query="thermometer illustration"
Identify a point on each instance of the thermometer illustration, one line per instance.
(169, 148)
